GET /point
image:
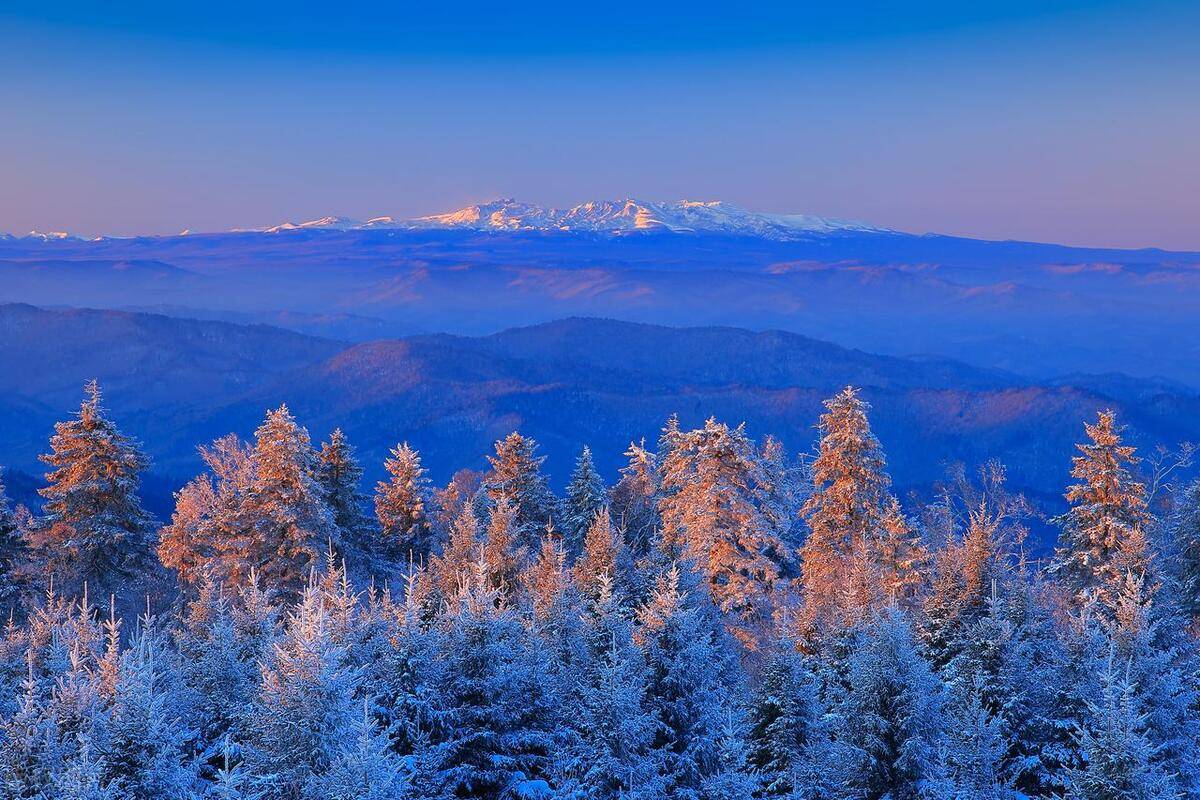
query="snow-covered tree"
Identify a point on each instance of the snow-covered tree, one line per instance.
(94, 529)
(516, 477)
(340, 477)
(586, 495)
(891, 717)
(689, 689)
(401, 506)
(259, 510)
(13, 549)
(1184, 530)
(499, 719)
(711, 518)
(143, 753)
(298, 724)
(1118, 757)
(634, 499)
(850, 488)
(1104, 532)
(363, 766)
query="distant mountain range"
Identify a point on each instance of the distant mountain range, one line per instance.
(177, 383)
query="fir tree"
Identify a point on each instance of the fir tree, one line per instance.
(259, 511)
(710, 517)
(340, 478)
(144, 748)
(891, 716)
(604, 557)
(686, 655)
(1119, 759)
(1103, 534)
(516, 477)
(13, 549)
(634, 500)
(401, 506)
(845, 508)
(586, 495)
(95, 529)
(1184, 529)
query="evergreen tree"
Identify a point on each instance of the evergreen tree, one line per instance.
(891, 717)
(1119, 759)
(688, 689)
(363, 766)
(1184, 529)
(711, 518)
(449, 568)
(296, 727)
(340, 478)
(845, 508)
(94, 529)
(499, 722)
(604, 557)
(586, 495)
(13, 549)
(1103, 534)
(788, 736)
(144, 749)
(260, 511)
(614, 756)
(516, 477)
(634, 500)
(401, 507)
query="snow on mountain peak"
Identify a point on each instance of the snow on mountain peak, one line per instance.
(602, 216)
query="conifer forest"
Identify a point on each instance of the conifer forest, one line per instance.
(722, 620)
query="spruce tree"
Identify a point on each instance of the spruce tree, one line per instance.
(94, 529)
(634, 499)
(340, 477)
(711, 518)
(516, 477)
(586, 495)
(13, 549)
(1184, 530)
(845, 508)
(401, 506)
(1103, 533)
(891, 717)
(259, 511)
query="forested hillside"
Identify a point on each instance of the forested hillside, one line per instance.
(723, 621)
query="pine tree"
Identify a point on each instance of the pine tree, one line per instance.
(689, 693)
(788, 737)
(516, 477)
(634, 500)
(1184, 531)
(586, 495)
(95, 529)
(401, 507)
(1119, 759)
(846, 506)
(891, 717)
(1103, 534)
(259, 511)
(144, 749)
(340, 478)
(502, 556)
(363, 766)
(297, 725)
(614, 756)
(13, 549)
(604, 557)
(711, 518)
(449, 568)
(499, 721)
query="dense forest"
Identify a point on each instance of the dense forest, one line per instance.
(725, 621)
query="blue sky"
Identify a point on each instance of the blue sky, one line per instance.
(1069, 121)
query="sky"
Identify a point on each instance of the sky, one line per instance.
(1067, 121)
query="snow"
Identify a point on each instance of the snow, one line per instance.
(603, 216)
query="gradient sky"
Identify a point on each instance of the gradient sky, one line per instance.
(1075, 122)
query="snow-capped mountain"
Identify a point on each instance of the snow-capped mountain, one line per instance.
(608, 216)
